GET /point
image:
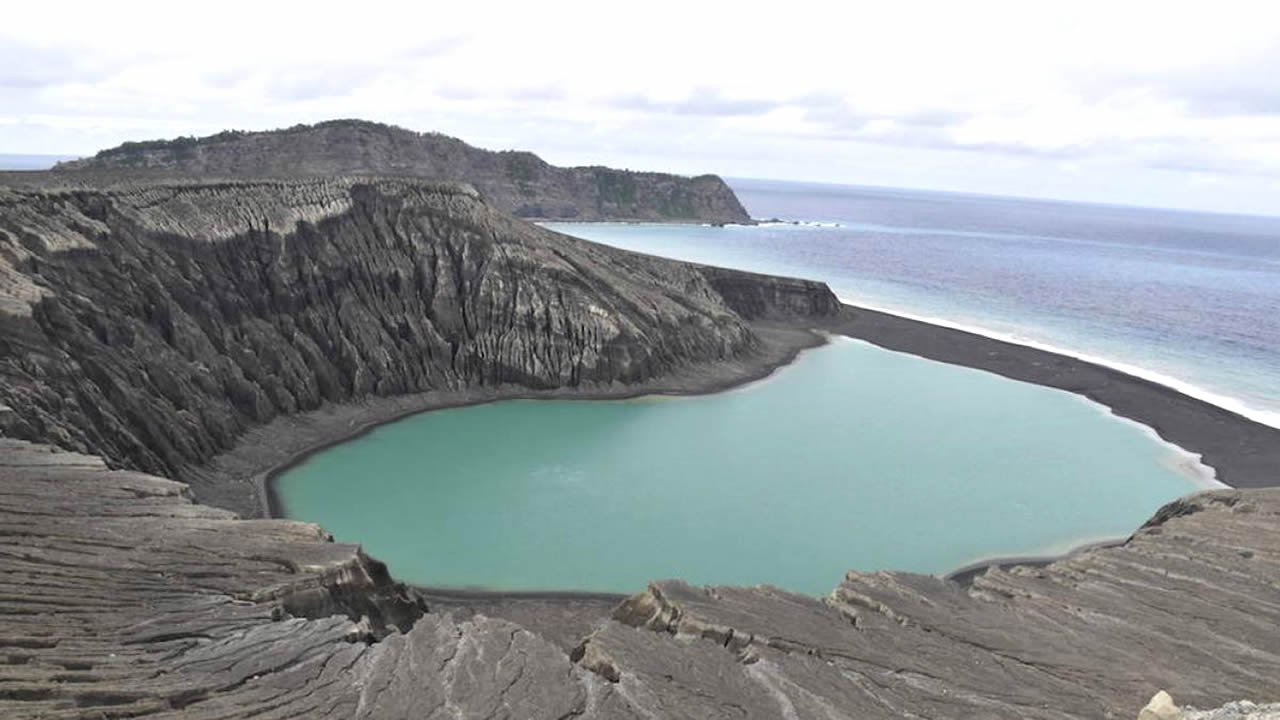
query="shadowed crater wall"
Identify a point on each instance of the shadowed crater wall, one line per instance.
(153, 324)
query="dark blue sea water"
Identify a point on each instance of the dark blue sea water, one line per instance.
(1188, 299)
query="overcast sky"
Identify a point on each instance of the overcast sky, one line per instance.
(1152, 103)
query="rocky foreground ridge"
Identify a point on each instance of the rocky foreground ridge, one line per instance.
(1162, 707)
(514, 181)
(145, 328)
(122, 598)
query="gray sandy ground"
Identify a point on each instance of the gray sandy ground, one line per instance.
(1244, 453)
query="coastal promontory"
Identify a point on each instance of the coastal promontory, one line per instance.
(518, 182)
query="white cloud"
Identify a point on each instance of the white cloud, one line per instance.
(1141, 91)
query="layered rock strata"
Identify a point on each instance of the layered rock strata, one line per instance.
(1162, 707)
(148, 328)
(517, 182)
(154, 324)
(122, 598)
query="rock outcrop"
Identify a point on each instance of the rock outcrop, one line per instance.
(1187, 603)
(153, 324)
(147, 328)
(518, 182)
(1162, 707)
(122, 598)
(1238, 710)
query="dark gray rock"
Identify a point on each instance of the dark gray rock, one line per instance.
(154, 324)
(1189, 603)
(1239, 710)
(755, 296)
(196, 328)
(517, 182)
(122, 598)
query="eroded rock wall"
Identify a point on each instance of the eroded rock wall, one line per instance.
(122, 598)
(154, 324)
(149, 326)
(517, 182)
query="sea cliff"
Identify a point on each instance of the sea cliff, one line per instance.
(517, 182)
(155, 323)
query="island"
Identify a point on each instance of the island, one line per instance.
(168, 341)
(518, 182)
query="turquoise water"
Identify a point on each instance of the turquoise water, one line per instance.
(853, 457)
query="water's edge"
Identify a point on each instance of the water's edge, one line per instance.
(965, 347)
(1243, 452)
(1228, 403)
(782, 347)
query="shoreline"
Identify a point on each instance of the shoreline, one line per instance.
(542, 222)
(965, 574)
(1182, 460)
(1240, 451)
(266, 452)
(1232, 404)
(1243, 452)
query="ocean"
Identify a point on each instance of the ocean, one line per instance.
(1190, 300)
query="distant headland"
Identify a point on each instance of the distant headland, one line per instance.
(515, 181)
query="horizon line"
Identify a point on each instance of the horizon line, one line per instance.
(826, 183)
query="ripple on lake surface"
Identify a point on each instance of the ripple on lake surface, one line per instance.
(853, 457)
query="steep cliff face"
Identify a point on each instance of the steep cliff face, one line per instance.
(518, 182)
(763, 296)
(153, 324)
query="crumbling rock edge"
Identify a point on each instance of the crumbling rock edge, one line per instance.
(156, 326)
(156, 323)
(161, 607)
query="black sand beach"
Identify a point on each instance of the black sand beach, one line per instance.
(1244, 453)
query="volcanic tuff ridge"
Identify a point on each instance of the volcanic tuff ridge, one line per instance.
(153, 324)
(147, 327)
(122, 598)
(518, 182)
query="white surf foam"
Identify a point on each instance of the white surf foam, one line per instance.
(1270, 418)
(1266, 417)
(1179, 459)
(796, 223)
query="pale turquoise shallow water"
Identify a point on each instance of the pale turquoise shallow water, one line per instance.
(853, 457)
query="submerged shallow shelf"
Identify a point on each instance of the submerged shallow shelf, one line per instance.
(853, 457)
